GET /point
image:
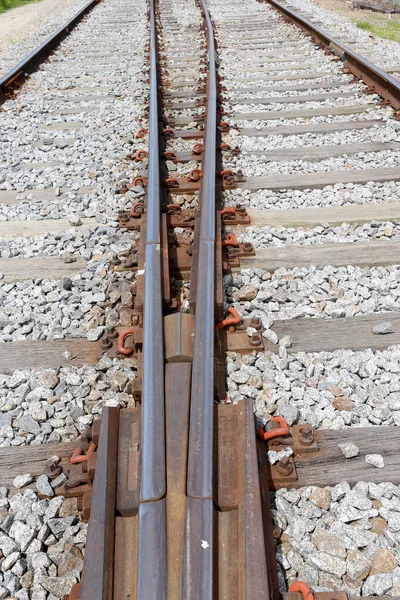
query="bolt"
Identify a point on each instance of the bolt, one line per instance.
(87, 432)
(115, 260)
(306, 436)
(255, 339)
(255, 322)
(240, 210)
(284, 466)
(247, 247)
(52, 468)
(130, 262)
(112, 333)
(106, 342)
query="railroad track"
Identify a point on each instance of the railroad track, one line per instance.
(246, 263)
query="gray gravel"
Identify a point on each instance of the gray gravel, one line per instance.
(42, 543)
(333, 195)
(310, 292)
(340, 538)
(328, 390)
(266, 237)
(45, 406)
(256, 166)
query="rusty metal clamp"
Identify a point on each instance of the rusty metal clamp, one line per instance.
(121, 340)
(198, 148)
(282, 430)
(172, 209)
(168, 133)
(195, 175)
(231, 240)
(302, 588)
(234, 320)
(227, 177)
(169, 155)
(141, 154)
(77, 456)
(228, 214)
(139, 181)
(172, 182)
(137, 210)
(141, 133)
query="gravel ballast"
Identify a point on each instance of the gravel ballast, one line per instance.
(81, 162)
(340, 538)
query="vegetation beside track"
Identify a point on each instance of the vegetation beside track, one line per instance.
(9, 4)
(389, 30)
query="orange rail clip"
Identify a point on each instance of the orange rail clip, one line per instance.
(280, 431)
(137, 210)
(230, 240)
(228, 211)
(139, 181)
(235, 320)
(173, 208)
(78, 457)
(172, 182)
(141, 133)
(198, 148)
(141, 154)
(303, 588)
(121, 340)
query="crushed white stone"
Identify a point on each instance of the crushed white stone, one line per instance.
(349, 450)
(341, 538)
(22, 480)
(383, 328)
(375, 460)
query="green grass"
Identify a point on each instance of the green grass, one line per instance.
(7, 4)
(388, 30)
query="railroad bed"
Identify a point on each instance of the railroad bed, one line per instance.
(174, 264)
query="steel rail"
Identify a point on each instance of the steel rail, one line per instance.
(373, 76)
(152, 543)
(200, 475)
(97, 579)
(200, 545)
(17, 75)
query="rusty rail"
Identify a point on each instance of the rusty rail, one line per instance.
(17, 75)
(201, 431)
(97, 581)
(373, 76)
(151, 546)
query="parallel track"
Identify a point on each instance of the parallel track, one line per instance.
(18, 74)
